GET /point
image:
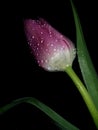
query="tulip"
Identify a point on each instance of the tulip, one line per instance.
(52, 50)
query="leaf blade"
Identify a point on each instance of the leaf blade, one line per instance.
(87, 68)
(60, 121)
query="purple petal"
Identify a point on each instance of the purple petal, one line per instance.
(52, 50)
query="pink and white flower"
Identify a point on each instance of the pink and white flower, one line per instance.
(52, 50)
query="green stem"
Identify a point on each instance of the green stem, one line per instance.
(84, 93)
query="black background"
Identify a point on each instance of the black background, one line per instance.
(22, 77)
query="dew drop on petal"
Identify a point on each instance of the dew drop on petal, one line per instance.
(50, 35)
(49, 32)
(61, 36)
(29, 43)
(54, 49)
(42, 61)
(33, 29)
(48, 54)
(46, 49)
(46, 61)
(43, 25)
(48, 44)
(51, 45)
(41, 32)
(42, 41)
(49, 68)
(33, 37)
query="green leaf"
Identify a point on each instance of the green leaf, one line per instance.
(87, 68)
(60, 121)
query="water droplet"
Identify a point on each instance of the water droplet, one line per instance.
(48, 44)
(49, 32)
(54, 49)
(62, 48)
(51, 58)
(42, 61)
(38, 61)
(33, 37)
(41, 32)
(33, 29)
(74, 51)
(34, 49)
(37, 54)
(46, 61)
(49, 68)
(51, 44)
(46, 49)
(50, 35)
(42, 41)
(61, 36)
(43, 25)
(29, 43)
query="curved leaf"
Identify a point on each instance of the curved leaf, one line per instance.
(64, 124)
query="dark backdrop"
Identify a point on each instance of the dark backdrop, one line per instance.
(21, 76)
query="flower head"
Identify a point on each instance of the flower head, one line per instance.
(52, 50)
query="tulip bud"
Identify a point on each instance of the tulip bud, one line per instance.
(52, 50)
